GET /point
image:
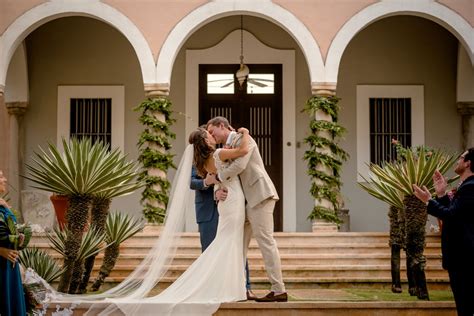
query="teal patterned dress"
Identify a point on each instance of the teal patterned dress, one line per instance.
(12, 298)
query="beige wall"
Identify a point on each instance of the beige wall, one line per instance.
(79, 51)
(398, 50)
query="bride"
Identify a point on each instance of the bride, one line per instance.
(218, 274)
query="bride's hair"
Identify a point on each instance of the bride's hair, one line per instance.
(202, 150)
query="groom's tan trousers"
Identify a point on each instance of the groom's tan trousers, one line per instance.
(259, 221)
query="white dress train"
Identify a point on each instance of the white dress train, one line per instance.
(217, 275)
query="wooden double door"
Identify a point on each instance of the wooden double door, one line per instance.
(257, 105)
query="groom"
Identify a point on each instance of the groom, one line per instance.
(261, 196)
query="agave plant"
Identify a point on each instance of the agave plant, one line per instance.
(41, 262)
(416, 167)
(119, 228)
(80, 172)
(90, 244)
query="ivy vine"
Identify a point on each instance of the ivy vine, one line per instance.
(156, 134)
(329, 184)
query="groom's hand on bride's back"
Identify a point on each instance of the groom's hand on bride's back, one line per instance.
(221, 194)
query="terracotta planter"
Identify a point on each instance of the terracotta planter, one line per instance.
(60, 203)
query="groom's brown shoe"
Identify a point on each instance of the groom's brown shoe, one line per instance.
(271, 297)
(251, 296)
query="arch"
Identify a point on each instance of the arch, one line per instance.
(427, 9)
(49, 11)
(217, 9)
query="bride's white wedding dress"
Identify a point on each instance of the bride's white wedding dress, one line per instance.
(217, 275)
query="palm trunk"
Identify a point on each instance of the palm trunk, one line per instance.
(99, 212)
(396, 243)
(76, 276)
(76, 216)
(416, 217)
(110, 258)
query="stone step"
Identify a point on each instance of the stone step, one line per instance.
(286, 259)
(315, 308)
(148, 238)
(438, 283)
(371, 248)
(295, 271)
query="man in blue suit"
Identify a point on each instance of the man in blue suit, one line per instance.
(207, 216)
(457, 235)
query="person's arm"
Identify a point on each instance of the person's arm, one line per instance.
(463, 202)
(197, 183)
(9, 254)
(238, 165)
(237, 152)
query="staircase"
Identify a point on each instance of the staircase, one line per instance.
(309, 260)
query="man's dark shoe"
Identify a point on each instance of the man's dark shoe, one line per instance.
(271, 297)
(251, 296)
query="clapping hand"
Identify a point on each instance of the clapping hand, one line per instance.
(440, 183)
(423, 194)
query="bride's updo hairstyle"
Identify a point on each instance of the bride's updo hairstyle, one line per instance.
(202, 150)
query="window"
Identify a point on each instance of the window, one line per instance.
(91, 118)
(390, 118)
(383, 113)
(220, 83)
(91, 111)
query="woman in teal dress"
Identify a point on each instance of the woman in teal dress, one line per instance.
(12, 298)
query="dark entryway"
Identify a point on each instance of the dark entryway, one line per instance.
(257, 106)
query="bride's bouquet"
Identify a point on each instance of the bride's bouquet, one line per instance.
(18, 235)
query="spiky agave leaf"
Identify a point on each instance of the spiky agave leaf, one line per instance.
(82, 168)
(415, 169)
(91, 244)
(41, 262)
(120, 227)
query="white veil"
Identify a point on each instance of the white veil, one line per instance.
(154, 266)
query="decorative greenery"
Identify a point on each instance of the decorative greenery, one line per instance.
(41, 262)
(154, 143)
(324, 152)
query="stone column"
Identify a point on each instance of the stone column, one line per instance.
(156, 91)
(4, 145)
(323, 90)
(16, 111)
(466, 110)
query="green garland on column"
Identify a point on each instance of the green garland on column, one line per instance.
(157, 134)
(324, 152)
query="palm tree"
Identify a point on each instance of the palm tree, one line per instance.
(416, 167)
(80, 172)
(119, 228)
(100, 209)
(377, 188)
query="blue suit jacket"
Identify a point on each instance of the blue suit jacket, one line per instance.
(457, 236)
(206, 206)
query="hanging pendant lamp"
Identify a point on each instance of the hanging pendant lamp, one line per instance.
(243, 71)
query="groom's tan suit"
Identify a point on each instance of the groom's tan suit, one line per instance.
(261, 196)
